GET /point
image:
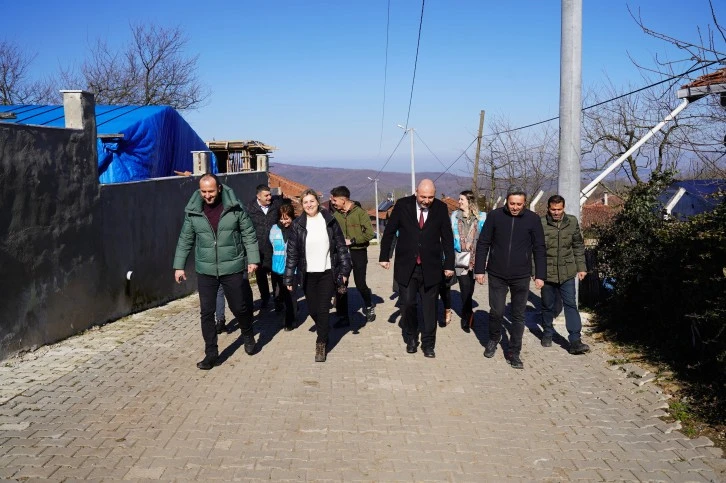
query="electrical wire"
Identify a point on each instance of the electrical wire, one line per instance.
(385, 76)
(708, 64)
(457, 159)
(427, 147)
(614, 98)
(389, 157)
(415, 64)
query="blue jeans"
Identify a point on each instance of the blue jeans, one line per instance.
(569, 304)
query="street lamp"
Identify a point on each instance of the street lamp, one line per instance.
(413, 169)
(378, 230)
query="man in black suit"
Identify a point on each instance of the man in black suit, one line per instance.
(264, 211)
(425, 241)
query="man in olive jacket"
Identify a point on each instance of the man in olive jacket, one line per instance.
(225, 246)
(565, 261)
(358, 232)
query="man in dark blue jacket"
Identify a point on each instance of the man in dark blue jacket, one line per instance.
(511, 235)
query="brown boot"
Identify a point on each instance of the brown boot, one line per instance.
(320, 351)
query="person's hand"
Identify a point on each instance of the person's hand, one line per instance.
(539, 283)
(581, 275)
(345, 280)
(289, 287)
(385, 265)
(347, 241)
(481, 278)
(449, 273)
(251, 268)
(179, 276)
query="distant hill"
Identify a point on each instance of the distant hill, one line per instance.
(361, 188)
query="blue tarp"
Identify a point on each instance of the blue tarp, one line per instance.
(156, 140)
(701, 196)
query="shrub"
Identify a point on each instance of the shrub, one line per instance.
(669, 280)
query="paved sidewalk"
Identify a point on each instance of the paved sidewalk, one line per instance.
(126, 401)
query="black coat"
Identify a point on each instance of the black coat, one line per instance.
(435, 241)
(506, 245)
(339, 254)
(263, 222)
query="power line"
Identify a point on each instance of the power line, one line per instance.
(413, 81)
(427, 147)
(415, 64)
(614, 98)
(385, 76)
(389, 157)
(454, 161)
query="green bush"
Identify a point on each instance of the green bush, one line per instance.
(669, 280)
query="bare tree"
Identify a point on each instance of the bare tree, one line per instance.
(525, 157)
(708, 49)
(152, 69)
(16, 86)
(699, 133)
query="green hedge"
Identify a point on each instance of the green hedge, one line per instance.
(669, 280)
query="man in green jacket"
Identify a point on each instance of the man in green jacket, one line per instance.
(225, 246)
(358, 232)
(565, 261)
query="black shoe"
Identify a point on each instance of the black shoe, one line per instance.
(343, 322)
(370, 313)
(515, 361)
(249, 343)
(546, 340)
(320, 351)
(219, 326)
(207, 363)
(411, 346)
(288, 327)
(429, 352)
(465, 324)
(491, 347)
(579, 347)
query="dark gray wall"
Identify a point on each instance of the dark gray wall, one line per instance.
(138, 227)
(66, 243)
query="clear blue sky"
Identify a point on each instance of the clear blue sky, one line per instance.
(307, 75)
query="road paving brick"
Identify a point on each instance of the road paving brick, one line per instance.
(125, 401)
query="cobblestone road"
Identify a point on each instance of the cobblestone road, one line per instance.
(125, 401)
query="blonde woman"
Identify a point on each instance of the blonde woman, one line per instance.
(316, 249)
(466, 223)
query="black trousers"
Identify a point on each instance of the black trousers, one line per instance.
(409, 306)
(360, 266)
(466, 288)
(519, 288)
(283, 297)
(207, 286)
(319, 288)
(262, 285)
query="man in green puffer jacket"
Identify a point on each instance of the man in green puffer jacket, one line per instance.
(225, 246)
(565, 261)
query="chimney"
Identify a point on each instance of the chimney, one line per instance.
(79, 108)
(605, 198)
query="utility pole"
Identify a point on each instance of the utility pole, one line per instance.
(475, 181)
(570, 104)
(493, 181)
(378, 229)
